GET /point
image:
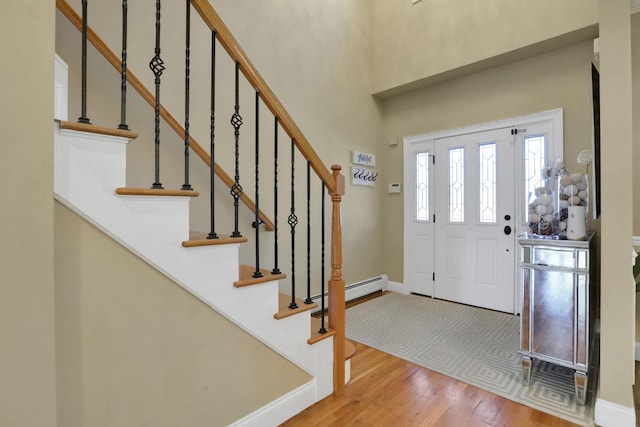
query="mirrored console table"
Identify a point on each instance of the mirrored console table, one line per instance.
(557, 310)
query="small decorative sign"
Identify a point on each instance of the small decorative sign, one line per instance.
(366, 159)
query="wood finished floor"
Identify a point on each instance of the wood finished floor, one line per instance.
(387, 391)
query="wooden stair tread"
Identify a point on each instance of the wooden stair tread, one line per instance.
(316, 336)
(283, 306)
(131, 191)
(199, 238)
(246, 276)
(102, 130)
(349, 349)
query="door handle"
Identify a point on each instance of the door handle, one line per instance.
(507, 230)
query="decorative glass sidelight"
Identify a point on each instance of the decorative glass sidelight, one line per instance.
(487, 183)
(456, 185)
(422, 186)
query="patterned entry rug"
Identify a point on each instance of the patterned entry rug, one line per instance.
(473, 345)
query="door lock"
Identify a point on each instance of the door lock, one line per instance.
(507, 230)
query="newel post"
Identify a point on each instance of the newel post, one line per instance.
(336, 285)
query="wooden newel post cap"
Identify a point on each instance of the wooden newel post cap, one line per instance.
(339, 179)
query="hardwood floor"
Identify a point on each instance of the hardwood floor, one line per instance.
(387, 391)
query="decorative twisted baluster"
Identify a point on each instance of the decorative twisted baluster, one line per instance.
(123, 69)
(275, 270)
(322, 329)
(187, 81)
(83, 114)
(212, 233)
(293, 221)
(257, 273)
(308, 299)
(157, 67)
(236, 122)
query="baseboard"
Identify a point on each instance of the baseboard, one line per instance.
(611, 414)
(280, 410)
(397, 287)
(357, 290)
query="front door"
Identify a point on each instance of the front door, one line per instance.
(475, 219)
(466, 199)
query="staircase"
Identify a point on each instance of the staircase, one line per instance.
(90, 179)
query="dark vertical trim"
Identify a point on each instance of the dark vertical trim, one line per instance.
(83, 114)
(275, 270)
(212, 124)
(187, 90)
(123, 69)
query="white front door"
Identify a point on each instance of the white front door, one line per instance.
(475, 219)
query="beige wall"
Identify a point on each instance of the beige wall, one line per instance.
(618, 302)
(134, 348)
(635, 68)
(422, 41)
(558, 79)
(27, 368)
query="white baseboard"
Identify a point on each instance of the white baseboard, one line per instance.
(608, 414)
(280, 410)
(397, 287)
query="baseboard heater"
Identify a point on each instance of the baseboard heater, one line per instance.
(357, 290)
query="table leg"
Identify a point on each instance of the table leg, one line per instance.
(580, 379)
(526, 370)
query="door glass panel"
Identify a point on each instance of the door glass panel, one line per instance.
(422, 186)
(535, 158)
(487, 183)
(456, 185)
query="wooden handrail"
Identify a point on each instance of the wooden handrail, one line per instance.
(136, 84)
(230, 44)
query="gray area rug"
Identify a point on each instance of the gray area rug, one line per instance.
(473, 345)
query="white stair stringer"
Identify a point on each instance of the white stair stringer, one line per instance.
(88, 169)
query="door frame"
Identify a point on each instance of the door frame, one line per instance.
(552, 118)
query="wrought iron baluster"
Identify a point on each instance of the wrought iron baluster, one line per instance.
(275, 270)
(157, 66)
(308, 299)
(83, 114)
(293, 221)
(257, 273)
(212, 233)
(322, 330)
(123, 70)
(187, 81)
(236, 122)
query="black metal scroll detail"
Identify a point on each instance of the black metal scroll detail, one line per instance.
(293, 221)
(157, 67)
(236, 122)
